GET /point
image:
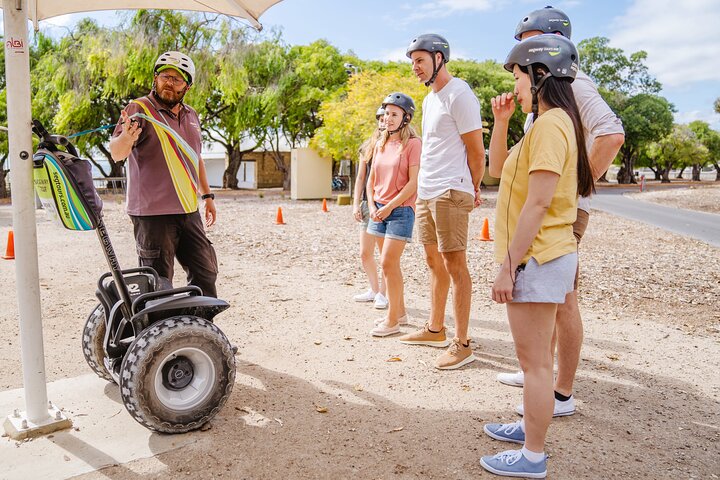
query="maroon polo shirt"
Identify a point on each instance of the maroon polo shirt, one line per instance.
(150, 190)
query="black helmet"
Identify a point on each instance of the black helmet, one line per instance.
(557, 53)
(403, 101)
(430, 42)
(546, 20)
(380, 112)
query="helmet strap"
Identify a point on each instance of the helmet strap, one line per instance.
(535, 88)
(436, 70)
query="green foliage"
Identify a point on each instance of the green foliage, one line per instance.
(349, 116)
(646, 119)
(716, 105)
(680, 148)
(613, 71)
(708, 137)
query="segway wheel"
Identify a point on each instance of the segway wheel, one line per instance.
(177, 374)
(92, 343)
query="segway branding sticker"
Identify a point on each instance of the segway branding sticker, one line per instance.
(58, 196)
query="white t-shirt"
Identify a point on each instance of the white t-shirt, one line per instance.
(447, 114)
(596, 116)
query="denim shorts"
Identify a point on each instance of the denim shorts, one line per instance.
(398, 225)
(546, 283)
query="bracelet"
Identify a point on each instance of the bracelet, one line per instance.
(208, 195)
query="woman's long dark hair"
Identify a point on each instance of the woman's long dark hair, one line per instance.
(556, 92)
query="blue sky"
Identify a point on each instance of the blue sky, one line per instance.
(680, 36)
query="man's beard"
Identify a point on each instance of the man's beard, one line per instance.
(169, 97)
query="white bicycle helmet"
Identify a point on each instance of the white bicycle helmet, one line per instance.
(176, 60)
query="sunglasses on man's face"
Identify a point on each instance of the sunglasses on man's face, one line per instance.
(165, 77)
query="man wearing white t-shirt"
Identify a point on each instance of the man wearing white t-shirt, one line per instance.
(451, 167)
(604, 135)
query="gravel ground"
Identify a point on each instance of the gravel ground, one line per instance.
(316, 396)
(705, 198)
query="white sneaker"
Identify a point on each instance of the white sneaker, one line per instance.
(562, 409)
(368, 296)
(404, 320)
(512, 379)
(381, 301)
(383, 330)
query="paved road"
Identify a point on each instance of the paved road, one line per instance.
(702, 226)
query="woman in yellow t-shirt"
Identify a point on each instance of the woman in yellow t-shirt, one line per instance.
(541, 178)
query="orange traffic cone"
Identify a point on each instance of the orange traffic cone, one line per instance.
(485, 233)
(325, 209)
(279, 218)
(10, 250)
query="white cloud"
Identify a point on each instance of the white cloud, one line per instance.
(680, 38)
(708, 116)
(395, 55)
(445, 8)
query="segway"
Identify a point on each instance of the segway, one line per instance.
(174, 366)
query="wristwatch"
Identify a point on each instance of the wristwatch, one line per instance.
(208, 195)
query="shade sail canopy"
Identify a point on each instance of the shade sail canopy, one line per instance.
(248, 9)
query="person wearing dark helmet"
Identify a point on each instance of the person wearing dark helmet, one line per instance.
(604, 135)
(160, 136)
(452, 165)
(376, 292)
(540, 179)
(391, 196)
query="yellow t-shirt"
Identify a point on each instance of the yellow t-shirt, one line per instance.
(549, 145)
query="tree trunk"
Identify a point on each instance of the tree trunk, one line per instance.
(665, 175)
(230, 175)
(626, 174)
(3, 186)
(280, 165)
(717, 172)
(656, 171)
(696, 168)
(679, 175)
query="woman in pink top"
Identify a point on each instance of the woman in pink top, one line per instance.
(391, 192)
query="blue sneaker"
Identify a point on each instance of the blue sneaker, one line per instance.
(512, 463)
(507, 432)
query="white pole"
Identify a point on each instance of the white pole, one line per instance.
(17, 71)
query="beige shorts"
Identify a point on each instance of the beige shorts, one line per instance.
(579, 227)
(443, 220)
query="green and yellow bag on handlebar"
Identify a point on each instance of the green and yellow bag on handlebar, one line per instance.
(64, 183)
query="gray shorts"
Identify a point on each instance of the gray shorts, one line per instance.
(365, 215)
(546, 283)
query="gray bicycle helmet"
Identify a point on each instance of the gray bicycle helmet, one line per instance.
(556, 53)
(546, 20)
(431, 43)
(403, 101)
(380, 112)
(176, 60)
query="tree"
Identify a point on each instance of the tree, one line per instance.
(308, 75)
(349, 116)
(646, 119)
(717, 105)
(613, 71)
(711, 140)
(680, 147)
